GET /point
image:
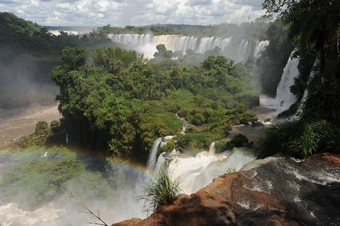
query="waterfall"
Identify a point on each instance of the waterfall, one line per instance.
(153, 154)
(284, 98)
(196, 172)
(238, 50)
(184, 122)
(212, 149)
(260, 46)
(151, 164)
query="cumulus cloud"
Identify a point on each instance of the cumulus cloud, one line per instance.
(133, 12)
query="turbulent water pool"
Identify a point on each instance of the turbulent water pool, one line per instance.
(36, 188)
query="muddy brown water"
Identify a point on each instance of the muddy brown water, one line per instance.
(19, 122)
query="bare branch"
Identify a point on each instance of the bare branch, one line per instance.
(97, 216)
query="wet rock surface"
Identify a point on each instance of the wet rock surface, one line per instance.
(280, 191)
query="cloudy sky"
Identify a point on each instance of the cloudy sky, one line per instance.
(133, 12)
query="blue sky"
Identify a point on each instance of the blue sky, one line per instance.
(133, 12)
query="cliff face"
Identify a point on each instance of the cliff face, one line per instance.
(277, 191)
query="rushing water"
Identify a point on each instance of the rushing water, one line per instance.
(310, 189)
(196, 172)
(153, 154)
(35, 189)
(284, 98)
(238, 50)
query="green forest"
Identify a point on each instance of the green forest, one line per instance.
(116, 102)
(120, 104)
(250, 31)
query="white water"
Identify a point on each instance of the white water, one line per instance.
(184, 122)
(115, 204)
(212, 149)
(194, 173)
(238, 50)
(151, 164)
(284, 98)
(153, 154)
(12, 214)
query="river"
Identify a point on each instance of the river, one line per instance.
(18, 122)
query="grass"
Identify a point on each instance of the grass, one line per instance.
(298, 139)
(162, 191)
(231, 170)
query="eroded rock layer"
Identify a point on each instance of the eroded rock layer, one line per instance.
(279, 191)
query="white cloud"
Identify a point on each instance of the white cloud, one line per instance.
(133, 12)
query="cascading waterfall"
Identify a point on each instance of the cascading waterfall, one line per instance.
(153, 154)
(184, 122)
(196, 172)
(284, 98)
(238, 50)
(151, 164)
(260, 46)
(212, 149)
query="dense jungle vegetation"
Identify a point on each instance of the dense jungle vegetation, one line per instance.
(313, 28)
(28, 54)
(114, 101)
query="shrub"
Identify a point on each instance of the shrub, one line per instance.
(166, 148)
(238, 140)
(298, 139)
(162, 191)
(191, 129)
(220, 146)
(198, 119)
(55, 123)
(183, 140)
(41, 125)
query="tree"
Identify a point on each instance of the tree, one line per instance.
(314, 26)
(162, 52)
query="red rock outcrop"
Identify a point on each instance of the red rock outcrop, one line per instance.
(259, 196)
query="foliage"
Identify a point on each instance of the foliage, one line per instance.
(238, 140)
(272, 61)
(298, 139)
(314, 30)
(41, 125)
(220, 146)
(20, 36)
(168, 147)
(231, 170)
(119, 104)
(28, 54)
(162, 52)
(47, 174)
(162, 191)
(38, 175)
(251, 31)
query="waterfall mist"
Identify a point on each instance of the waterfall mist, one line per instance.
(237, 49)
(284, 98)
(111, 188)
(25, 81)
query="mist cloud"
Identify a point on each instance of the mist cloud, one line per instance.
(133, 12)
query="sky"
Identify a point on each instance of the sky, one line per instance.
(133, 12)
